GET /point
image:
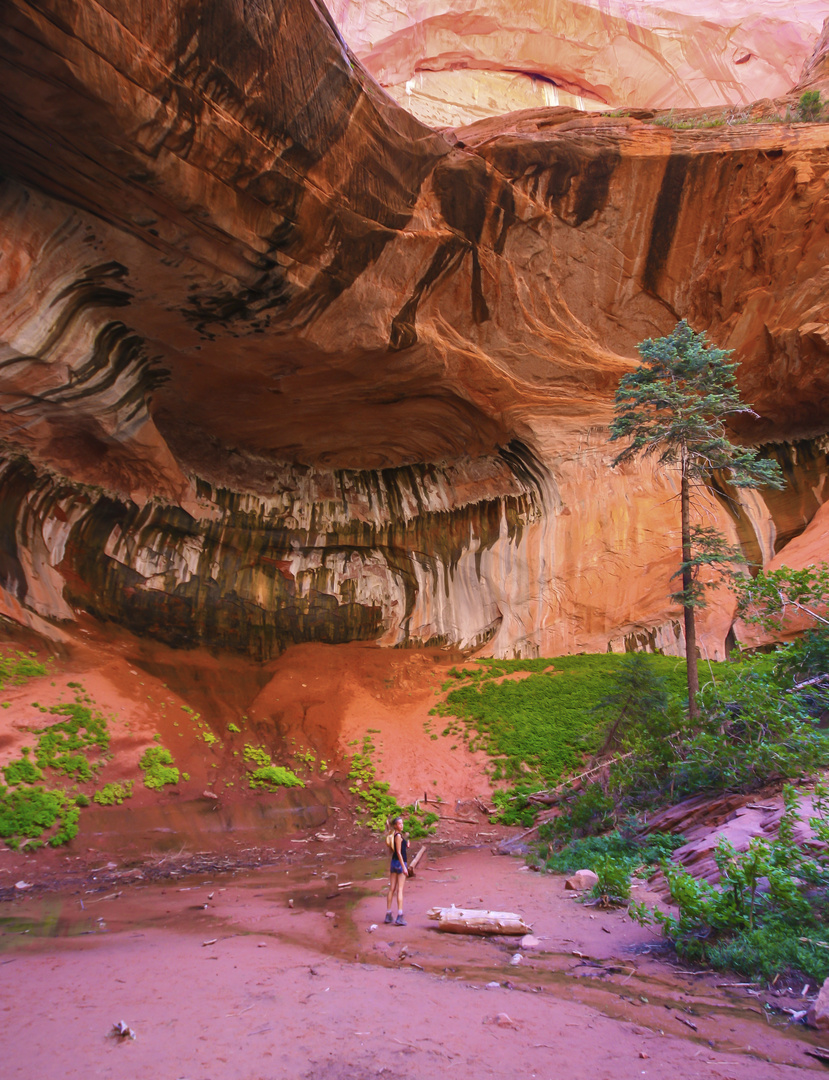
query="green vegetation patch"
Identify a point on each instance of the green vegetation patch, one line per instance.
(274, 776)
(256, 754)
(540, 728)
(158, 767)
(376, 801)
(73, 747)
(113, 794)
(63, 746)
(22, 770)
(26, 813)
(17, 668)
(768, 913)
(643, 855)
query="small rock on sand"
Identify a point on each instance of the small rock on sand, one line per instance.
(581, 880)
(530, 942)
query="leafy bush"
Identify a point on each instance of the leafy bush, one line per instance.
(22, 770)
(257, 754)
(759, 917)
(769, 950)
(27, 813)
(810, 107)
(157, 765)
(28, 808)
(17, 668)
(613, 887)
(418, 826)
(377, 803)
(274, 776)
(752, 726)
(644, 853)
(113, 794)
(588, 813)
(63, 746)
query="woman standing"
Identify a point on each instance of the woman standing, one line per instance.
(398, 872)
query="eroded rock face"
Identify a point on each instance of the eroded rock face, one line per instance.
(279, 363)
(451, 62)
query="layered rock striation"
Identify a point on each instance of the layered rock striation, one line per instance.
(280, 363)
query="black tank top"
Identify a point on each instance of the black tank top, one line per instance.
(404, 849)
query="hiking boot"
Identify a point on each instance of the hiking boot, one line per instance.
(400, 921)
(389, 917)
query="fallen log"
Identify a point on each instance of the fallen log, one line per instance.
(454, 920)
(552, 796)
(414, 862)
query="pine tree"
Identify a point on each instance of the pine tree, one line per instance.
(674, 405)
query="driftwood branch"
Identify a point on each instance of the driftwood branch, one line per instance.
(810, 682)
(551, 795)
(454, 920)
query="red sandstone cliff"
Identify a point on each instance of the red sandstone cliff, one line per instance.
(279, 363)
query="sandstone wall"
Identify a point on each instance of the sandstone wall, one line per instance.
(279, 363)
(452, 62)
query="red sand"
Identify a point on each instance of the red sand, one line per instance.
(322, 998)
(283, 991)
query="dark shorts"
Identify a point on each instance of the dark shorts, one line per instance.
(396, 867)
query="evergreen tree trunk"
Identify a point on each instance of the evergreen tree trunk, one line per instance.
(688, 609)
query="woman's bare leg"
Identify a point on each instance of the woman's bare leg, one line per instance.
(401, 881)
(393, 888)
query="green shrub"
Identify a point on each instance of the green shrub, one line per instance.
(418, 826)
(17, 668)
(810, 107)
(63, 746)
(257, 754)
(22, 770)
(157, 765)
(644, 853)
(769, 950)
(590, 812)
(274, 776)
(767, 913)
(613, 887)
(377, 803)
(233, 728)
(26, 813)
(752, 726)
(114, 794)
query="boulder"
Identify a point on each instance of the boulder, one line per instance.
(818, 1014)
(581, 880)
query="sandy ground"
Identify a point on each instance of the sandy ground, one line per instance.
(223, 978)
(171, 912)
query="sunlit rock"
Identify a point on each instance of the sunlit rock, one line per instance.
(451, 62)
